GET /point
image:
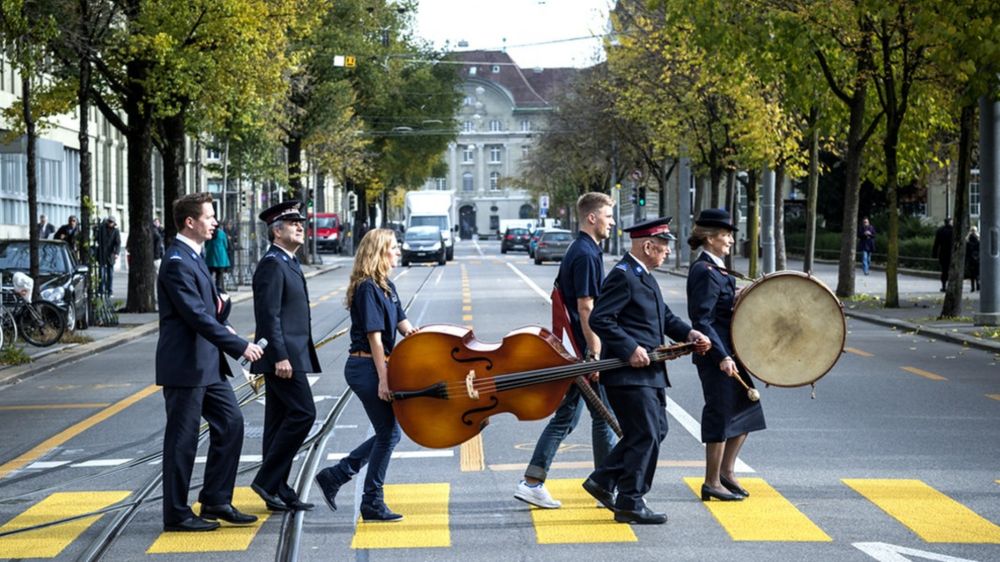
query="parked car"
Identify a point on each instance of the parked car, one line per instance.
(552, 245)
(515, 238)
(533, 241)
(328, 232)
(424, 243)
(61, 280)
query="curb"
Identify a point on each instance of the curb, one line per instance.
(952, 337)
(14, 375)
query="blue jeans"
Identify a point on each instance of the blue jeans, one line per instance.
(107, 272)
(375, 451)
(866, 261)
(562, 423)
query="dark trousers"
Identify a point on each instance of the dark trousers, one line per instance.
(641, 412)
(105, 277)
(376, 450)
(945, 263)
(185, 408)
(289, 413)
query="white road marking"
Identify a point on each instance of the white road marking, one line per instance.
(694, 428)
(534, 286)
(885, 552)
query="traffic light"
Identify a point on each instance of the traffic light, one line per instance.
(352, 202)
(633, 196)
(642, 196)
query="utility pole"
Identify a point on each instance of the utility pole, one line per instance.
(684, 211)
(989, 213)
(767, 220)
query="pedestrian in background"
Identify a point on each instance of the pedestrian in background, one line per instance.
(578, 284)
(376, 315)
(217, 257)
(157, 244)
(943, 239)
(109, 244)
(45, 228)
(281, 309)
(728, 415)
(972, 257)
(866, 243)
(68, 233)
(190, 366)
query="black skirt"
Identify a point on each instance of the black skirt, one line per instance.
(728, 411)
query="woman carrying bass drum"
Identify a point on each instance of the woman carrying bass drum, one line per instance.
(729, 414)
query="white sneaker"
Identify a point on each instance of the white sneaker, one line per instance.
(536, 495)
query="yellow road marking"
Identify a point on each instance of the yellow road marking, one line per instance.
(511, 467)
(466, 317)
(425, 519)
(933, 516)
(65, 435)
(923, 373)
(857, 351)
(765, 516)
(50, 541)
(466, 308)
(225, 539)
(470, 454)
(579, 520)
(993, 396)
(83, 406)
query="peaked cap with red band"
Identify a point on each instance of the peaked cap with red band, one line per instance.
(653, 228)
(284, 211)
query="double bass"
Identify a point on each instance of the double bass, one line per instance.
(446, 384)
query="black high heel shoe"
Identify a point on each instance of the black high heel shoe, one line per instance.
(708, 493)
(734, 487)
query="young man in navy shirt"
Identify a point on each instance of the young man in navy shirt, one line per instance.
(579, 282)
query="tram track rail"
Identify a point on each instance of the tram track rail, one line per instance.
(292, 521)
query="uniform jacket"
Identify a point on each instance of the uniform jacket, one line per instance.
(193, 333)
(630, 312)
(281, 309)
(711, 297)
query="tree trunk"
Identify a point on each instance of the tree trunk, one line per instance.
(780, 263)
(294, 146)
(753, 223)
(812, 193)
(32, 171)
(83, 138)
(852, 190)
(716, 177)
(956, 271)
(141, 283)
(889, 149)
(699, 195)
(732, 198)
(172, 152)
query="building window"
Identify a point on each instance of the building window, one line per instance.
(472, 71)
(467, 101)
(441, 184)
(525, 125)
(525, 151)
(496, 126)
(974, 194)
(494, 181)
(468, 155)
(495, 154)
(213, 154)
(468, 127)
(467, 184)
(496, 69)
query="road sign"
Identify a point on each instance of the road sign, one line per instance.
(349, 61)
(636, 175)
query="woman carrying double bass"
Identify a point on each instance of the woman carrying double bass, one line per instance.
(376, 315)
(729, 414)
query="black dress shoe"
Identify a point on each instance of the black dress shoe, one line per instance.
(643, 516)
(708, 493)
(734, 487)
(380, 513)
(329, 484)
(292, 500)
(192, 524)
(272, 501)
(606, 498)
(227, 513)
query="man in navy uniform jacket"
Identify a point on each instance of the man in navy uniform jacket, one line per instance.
(281, 308)
(192, 370)
(631, 318)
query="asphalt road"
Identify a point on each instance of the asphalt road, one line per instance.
(896, 457)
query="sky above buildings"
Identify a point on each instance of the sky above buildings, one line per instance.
(538, 33)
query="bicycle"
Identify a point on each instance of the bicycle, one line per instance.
(40, 322)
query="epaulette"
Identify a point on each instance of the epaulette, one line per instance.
(622, 266)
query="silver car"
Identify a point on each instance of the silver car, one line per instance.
(552, 245)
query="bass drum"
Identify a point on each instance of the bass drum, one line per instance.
(788, 329)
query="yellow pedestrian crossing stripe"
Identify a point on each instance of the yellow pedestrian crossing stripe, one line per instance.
(50, 541)
(424, 508)
(765, 516)
(933, 516)
(579, 520)
(225, 539)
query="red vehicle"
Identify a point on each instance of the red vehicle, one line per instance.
(328, 231)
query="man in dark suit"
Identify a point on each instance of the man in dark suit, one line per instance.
(191, 368)
(281, 308)
(630, 318)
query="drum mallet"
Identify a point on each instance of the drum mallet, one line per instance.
(752, 393)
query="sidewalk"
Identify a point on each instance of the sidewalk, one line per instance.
(920, 301)
(130, 326)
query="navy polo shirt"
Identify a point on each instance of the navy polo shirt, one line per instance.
(580, 275)
(373, 311)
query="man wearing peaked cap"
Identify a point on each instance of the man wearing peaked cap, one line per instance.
(281, 309)
(630, 318)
